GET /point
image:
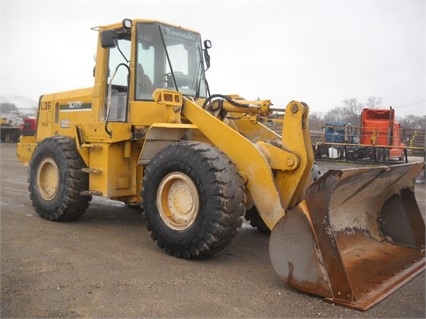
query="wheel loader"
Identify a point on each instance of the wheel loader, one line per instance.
(150, 133)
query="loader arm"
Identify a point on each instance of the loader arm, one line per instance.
(276, 176)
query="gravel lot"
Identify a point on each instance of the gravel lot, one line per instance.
(106, 265)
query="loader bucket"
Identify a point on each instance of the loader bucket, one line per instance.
(356, 237)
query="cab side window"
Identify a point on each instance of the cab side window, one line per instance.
(118, 76)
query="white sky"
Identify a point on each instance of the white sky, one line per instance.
(319, 52)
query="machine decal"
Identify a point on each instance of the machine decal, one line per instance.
(75, 106)
(65, 123)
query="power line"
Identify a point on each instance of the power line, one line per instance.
(396, 107)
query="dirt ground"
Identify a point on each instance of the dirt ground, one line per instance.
(105, 265)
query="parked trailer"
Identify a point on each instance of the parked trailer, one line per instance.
(12, 129)
(380, 129)
(377, 138)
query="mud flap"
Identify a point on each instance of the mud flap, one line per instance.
(357, 237)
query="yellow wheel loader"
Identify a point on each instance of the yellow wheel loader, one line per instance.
(150, 133)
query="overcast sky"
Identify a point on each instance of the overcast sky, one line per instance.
(319, 52)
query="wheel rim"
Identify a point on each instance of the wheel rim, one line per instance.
(177, 201)
(48, 178)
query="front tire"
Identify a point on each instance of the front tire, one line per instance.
(56, 180)
(193, 199)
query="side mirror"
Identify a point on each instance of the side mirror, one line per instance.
(109, 39)
(207, 44)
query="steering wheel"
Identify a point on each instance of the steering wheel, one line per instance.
(181, 79)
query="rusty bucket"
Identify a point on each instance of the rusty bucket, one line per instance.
(357, 237)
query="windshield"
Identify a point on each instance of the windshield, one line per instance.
(168, 57)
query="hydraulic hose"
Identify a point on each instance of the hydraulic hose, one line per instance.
(223, 97)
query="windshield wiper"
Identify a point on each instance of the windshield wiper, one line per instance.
(168, 59)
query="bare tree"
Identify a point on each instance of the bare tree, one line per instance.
(7, 107)
(349, 112)
(373, 101)
(337, 114)
(352, 107)
(413, 122)
(315, 121)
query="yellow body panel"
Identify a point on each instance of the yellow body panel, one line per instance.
(59, 112)
(25, 148)
(115, 174)
(146, 113)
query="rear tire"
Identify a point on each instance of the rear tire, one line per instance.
(56, 180)
(193, 199)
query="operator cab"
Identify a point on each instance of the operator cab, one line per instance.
(165, 57)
